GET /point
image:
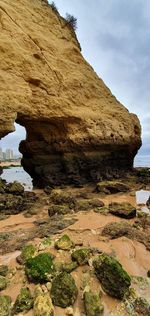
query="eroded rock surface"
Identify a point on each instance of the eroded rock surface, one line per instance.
(76, 129)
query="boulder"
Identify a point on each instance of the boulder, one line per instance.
(77, 131)
(111, 187)
(114, 280)
(24, 301)
(39, 268)
(5, 305)
(64, 290)
(92, 303)
(58, 210)
(124, 210)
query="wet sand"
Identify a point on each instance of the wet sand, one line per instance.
(87, 231)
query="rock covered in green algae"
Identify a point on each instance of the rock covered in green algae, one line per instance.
(24, 301)
(69, 267)
(42, 304)
(60, 197)
(114, 279)
(5, 305)
(3, 270)
(28, 251)
(39, 268)
(110, 187)
(64, 243)
(81, 256)
(124, 210)
(3, 283)
(93, 305)
(64, 290)
(142, 306)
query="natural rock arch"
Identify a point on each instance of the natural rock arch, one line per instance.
(76, 129)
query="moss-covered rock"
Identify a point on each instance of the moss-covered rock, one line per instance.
(69, 267)
(28, 251)
(110, 187)
(82, 205)
(64, 243)
(14, 188)
(3, 283)
(64, 290)
(114, 279)
(142, 306)
(24, 301)
(60, 197)
(5, 305)
(3, 270)
(124, 210)
(58, 210)
(39, 268)
(81, 256)
(42, 304)
(93, 305)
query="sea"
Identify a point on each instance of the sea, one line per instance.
(18, 174)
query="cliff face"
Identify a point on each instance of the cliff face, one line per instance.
(76, 129)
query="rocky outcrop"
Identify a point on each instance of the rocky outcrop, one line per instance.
(76, 129)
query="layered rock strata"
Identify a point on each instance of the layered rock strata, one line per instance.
(76, 129)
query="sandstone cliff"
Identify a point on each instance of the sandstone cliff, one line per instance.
(76, 129)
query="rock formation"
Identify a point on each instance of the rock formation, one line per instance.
(76, 129)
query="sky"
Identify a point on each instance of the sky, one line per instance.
(115, 39)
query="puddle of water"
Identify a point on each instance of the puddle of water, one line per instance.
(141, 198)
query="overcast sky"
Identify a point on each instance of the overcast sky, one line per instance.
(115, 40)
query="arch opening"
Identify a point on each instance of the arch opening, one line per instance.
(10, 158)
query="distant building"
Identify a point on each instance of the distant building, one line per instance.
(9, 154)
(1, 154)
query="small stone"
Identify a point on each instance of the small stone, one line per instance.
(93, 305)
(3, 283)
(114, 279)
(69, 311)
(111, 187)
(69, 267)
(81, 256)
(28, 251)
(5, 305)
(142, 306)
(24, 301)
(58, 210)
(42, 304)
(64, 290)
(64, 243)
(148, 273)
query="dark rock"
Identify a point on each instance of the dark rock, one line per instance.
(114, 279)
(93, 305)
(24, 301)
(124, 210)
(111, 187)
(116, 230)
(148, 273)
(64, 290)
(14, 188)
(38, 268)
(148, 202)
(81, 256)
